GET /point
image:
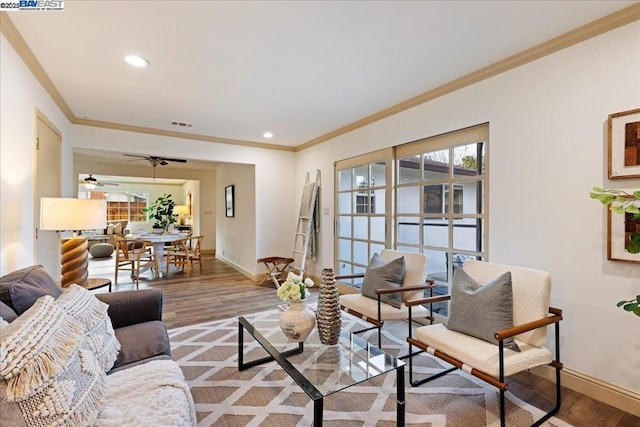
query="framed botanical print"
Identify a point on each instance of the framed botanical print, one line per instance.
(624, 144)
(228, 201)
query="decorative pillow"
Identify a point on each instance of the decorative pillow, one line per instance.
(21, 288)
(99, 336)
(381, 275)
(7, 313)
(117, 228)
(482, 310)
(51, 379)
(109, 229)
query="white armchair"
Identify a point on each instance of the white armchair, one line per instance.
(376, 311)
(492, 362)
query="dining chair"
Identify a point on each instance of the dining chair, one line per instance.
(188, 253)
(135, 255)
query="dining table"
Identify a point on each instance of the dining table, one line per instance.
(158, 241)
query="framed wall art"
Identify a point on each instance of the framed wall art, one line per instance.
(228, 201)
(620, 227)
(624, 144)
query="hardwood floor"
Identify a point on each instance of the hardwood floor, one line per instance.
(221, 292)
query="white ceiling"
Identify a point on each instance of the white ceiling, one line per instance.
(299, 69)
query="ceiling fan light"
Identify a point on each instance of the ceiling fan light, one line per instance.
(89, 185)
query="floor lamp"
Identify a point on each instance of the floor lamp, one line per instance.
(181, 210)
(66, 214)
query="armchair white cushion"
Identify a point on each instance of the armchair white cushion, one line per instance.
(415, 275)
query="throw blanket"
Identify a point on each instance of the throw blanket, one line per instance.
(153, 394)
(309, 202)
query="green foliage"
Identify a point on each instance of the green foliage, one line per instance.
(632, 305)
(161, 212)
(623, 203)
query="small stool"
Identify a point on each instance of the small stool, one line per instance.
(277, 269)
(101, 250)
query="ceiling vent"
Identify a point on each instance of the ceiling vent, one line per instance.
(181, 124)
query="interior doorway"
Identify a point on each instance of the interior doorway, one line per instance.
(47, 184)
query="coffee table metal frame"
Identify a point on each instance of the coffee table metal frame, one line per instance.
(281, 357)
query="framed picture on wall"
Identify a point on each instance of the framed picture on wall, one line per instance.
(228, 201)
(624, 144)
(620, 227)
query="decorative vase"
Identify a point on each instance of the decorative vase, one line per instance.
(157, 231)
(297, 321)
(328, 315)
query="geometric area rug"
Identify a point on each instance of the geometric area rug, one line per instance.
(265, 396)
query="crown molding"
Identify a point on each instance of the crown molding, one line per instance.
(175, 134)
(580, 34)
(24, 51)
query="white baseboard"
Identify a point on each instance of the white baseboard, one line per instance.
(240, 269)
(618, 397)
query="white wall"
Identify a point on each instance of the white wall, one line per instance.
(547, 149)
(20, 96)
(237, 235)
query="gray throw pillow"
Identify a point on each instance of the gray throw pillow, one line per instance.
(7, 313)
(381, 275)
(21, 288)
(481, 311)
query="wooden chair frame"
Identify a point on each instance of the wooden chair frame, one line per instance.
(555, 316)
(277, 269)
(185, 256)
(135, 258)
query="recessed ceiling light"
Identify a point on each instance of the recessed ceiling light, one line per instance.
(136, 61)
(267, 135)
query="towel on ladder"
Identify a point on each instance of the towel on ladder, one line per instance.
(305, 208)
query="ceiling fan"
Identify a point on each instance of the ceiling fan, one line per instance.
(155, 161)
(90, 183)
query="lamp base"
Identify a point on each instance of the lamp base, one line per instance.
(75, 261)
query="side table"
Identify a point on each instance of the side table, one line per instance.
(97, 282)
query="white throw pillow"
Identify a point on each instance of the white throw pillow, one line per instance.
(51, 379)
(117, 228)
(99, 336)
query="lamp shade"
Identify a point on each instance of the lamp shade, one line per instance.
(60, 214)
(181, 210)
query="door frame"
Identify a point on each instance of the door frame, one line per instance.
(57, 163)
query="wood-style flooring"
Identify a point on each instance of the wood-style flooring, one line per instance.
(222, 292)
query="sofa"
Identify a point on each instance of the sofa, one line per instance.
(117, 343)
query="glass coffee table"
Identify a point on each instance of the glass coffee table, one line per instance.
(319, 369)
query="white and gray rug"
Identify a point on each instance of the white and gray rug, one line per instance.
(264, 396)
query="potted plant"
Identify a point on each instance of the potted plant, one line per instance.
(161, 212)
(623, 203)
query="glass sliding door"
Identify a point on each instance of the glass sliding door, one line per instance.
(441, 201)
(427, 196)
(363, 210)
